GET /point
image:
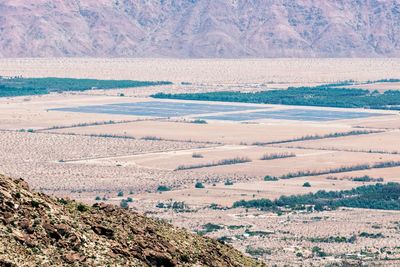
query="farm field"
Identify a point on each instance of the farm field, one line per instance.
(188, 161)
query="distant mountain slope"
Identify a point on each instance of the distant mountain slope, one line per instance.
(200, 28)
(37, 230)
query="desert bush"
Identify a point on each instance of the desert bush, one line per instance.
(269, 178)
(163, 188)
(228, 182)
(197, 155)
(124, 204)
(235, 160)
(82, 208)
(199, 185)
(277, 156)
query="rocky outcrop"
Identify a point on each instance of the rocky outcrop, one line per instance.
(37, 230)
(200, 28)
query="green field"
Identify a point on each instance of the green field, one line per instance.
(330, 95)
(18, 86)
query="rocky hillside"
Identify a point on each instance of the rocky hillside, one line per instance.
(37, 230)
(200, 28)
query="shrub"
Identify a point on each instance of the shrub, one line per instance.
(199, 185)
(82, 208)
(35, 204)
(318, 252)
(129, 199)
(228, 182)
(270, 178)
(277, 156)
(199, 121)
(235, 160)
(163, 188)
(120, 194)
(98, 198)
(124, 204)
(306, 184)
(197, 155)
(257, 252)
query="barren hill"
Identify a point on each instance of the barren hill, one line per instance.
(37, 230)
(200, 28)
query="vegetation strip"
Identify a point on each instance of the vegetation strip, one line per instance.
(317, 137)
(378, 196)
(18, 86)
(277, 156)
(236, 160)
(328, 95)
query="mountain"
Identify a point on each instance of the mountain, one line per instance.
(37, 230)
(200, 28)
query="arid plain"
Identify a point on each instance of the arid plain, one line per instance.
(108, 156)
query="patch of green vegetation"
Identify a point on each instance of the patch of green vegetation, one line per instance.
(325, 96)
(163, 188)
(366, 178)
(199, 121)
(369, 235)
(307, 184)
(378, 196)
(257, 233)
(35, 204)
(257, 251)
(18, 86)
(228, 182)
(333, 239)
(124, 204)
(82, 208)
(269, 178)
(212, 227)
(199, 185)
(317, 251)
(177, 206)
(120, 194)
(236, 227)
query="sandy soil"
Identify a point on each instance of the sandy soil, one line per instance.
(223, 71)
(385, 142)
(225, 132)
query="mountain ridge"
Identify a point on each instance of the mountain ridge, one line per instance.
(200, 28)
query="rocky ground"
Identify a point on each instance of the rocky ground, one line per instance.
(37, 230)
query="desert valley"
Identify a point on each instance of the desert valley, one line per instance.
(230, 170)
